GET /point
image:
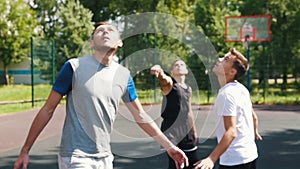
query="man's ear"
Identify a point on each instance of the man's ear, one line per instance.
(233, 72)
(120, 43)
(186, 71)
(92, 44)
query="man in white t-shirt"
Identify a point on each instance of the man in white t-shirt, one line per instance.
(237, 122)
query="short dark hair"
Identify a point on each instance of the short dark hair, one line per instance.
(240, 64)
(176, 60)
(97, 24)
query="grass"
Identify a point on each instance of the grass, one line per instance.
(23, 93)
(155, 96)
(14, 108)
(271, 97)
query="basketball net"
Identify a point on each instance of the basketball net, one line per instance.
(247, 34)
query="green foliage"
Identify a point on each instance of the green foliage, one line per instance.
(23, 92)
(74, 30)
(100, 9)
(210, 16)
(46, 12)
(22, 95)
(18, 23)
(121, 7)
(183, 13)
(285, 17)
(282, 52)
(70, 24)
(15, 108)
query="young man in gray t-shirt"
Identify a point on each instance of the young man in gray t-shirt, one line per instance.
(94, 86)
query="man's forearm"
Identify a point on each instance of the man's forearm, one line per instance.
(162, 78)
(36, 128)
(152, 130)
(222, 146)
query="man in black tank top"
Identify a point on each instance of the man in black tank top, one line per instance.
(178, 119)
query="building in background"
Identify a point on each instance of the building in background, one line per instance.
(21, 74)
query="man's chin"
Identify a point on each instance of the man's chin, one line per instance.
(105, 48)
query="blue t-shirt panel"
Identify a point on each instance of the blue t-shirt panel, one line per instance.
(131, 90)
(63, 83)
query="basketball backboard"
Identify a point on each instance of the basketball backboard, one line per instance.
(248, 28)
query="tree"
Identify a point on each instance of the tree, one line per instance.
(121, 9)
(285, 35)
(166, 41)
(18, 24)
(46, 12)
(100, 9)
(183, 12)
(210, 19)
(283, 48)
(210, 16)
(75, 28)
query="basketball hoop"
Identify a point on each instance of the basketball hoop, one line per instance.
(256, 27)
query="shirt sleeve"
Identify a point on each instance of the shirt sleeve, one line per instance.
(229, 108)
(130, 94)
(63, 83)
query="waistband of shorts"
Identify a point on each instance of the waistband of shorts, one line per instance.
(190, 150)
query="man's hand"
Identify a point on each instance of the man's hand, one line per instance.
(258, 136)
(22, 161)
(206, 163)
(178, 156)
(155, 70)
(195, 138)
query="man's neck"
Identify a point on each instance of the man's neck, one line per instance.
(104, 56)
(223, 81)
(180, 79)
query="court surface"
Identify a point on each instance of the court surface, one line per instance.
(279, 126)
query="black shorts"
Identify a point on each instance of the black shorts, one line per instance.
(193, 157)
(250, 165)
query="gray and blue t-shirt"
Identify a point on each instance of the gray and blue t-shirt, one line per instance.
(93, 94)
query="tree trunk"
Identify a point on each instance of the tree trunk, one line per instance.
(284, 80)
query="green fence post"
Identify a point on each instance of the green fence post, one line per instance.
(53, 61)
(32, 72)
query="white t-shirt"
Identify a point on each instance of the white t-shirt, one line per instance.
(234, 100)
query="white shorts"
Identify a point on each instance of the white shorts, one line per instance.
(85, 162)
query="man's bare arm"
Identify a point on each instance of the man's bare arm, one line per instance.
(149, 126)
(165, 81)
(255, 122)
(192, 118)
(40, 121)
(229, 135)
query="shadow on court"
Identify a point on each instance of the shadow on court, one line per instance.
(36, 162)
(44, 161)
(278, 150)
